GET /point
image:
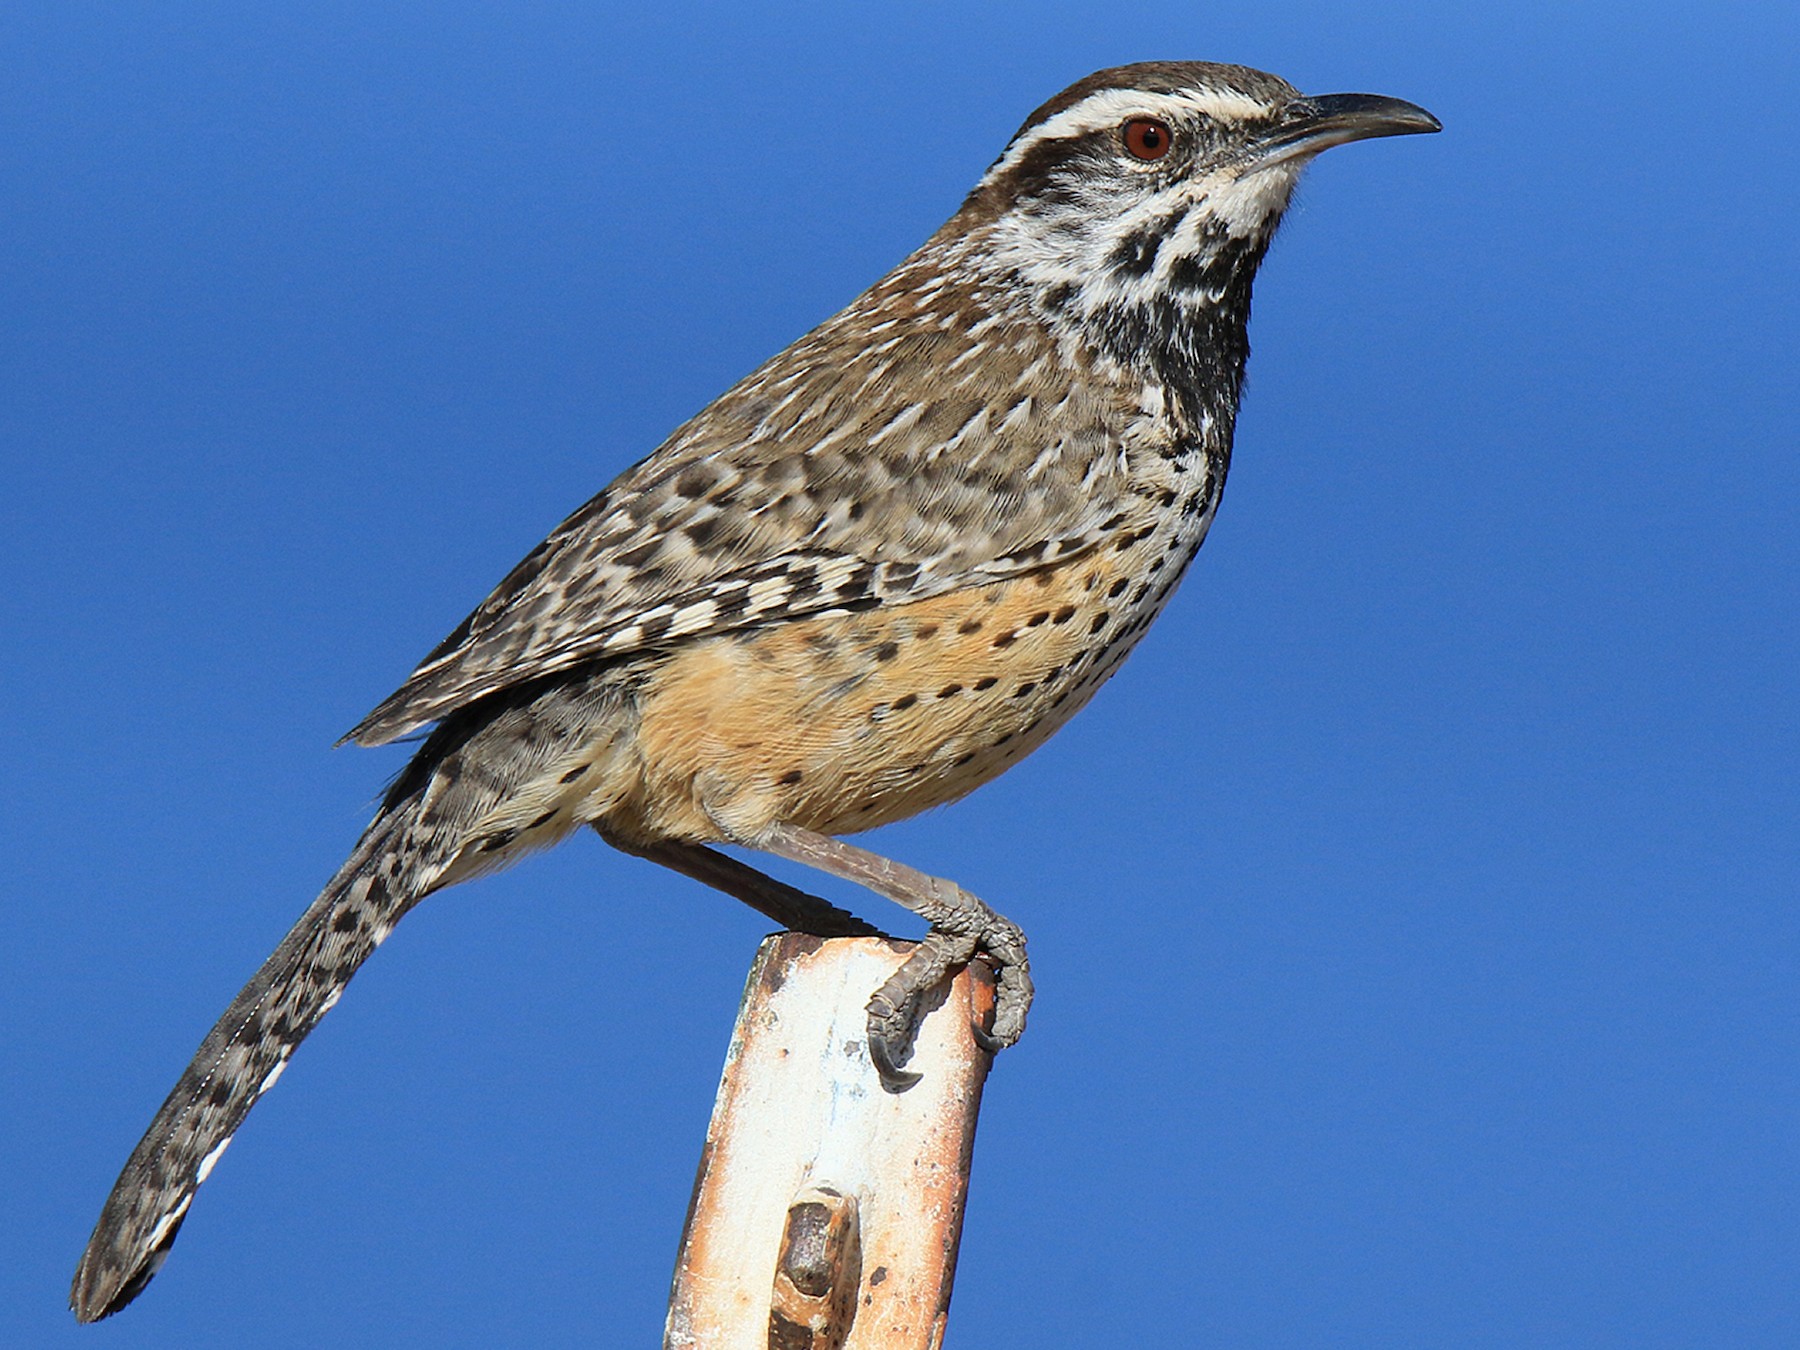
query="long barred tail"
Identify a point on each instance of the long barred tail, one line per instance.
(397, 863)
(488, 786)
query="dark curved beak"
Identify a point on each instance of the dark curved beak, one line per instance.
(1318, 123)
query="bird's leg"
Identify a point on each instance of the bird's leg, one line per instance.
(961, 927)
(793, 909)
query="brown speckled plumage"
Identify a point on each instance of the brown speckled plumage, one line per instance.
(830, 478)
(872, 575)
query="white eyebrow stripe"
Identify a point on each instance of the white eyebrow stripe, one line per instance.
(1109, 107)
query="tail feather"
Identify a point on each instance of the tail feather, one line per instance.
(392, 869)
(487, 787)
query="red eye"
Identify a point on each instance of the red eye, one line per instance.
(1147, 139)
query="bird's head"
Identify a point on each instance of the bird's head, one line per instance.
(1125, 179)
(1137, 204)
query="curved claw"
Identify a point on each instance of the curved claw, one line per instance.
(893, 1077)
(891, 1029)
(894, 1010)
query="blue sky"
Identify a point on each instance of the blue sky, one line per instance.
(1413, 917)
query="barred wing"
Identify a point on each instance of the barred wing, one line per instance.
(815, 484)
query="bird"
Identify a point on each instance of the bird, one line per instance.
(872, 575)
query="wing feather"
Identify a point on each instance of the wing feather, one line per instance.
(845, 472)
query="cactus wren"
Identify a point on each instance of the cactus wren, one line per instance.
(872, 575)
